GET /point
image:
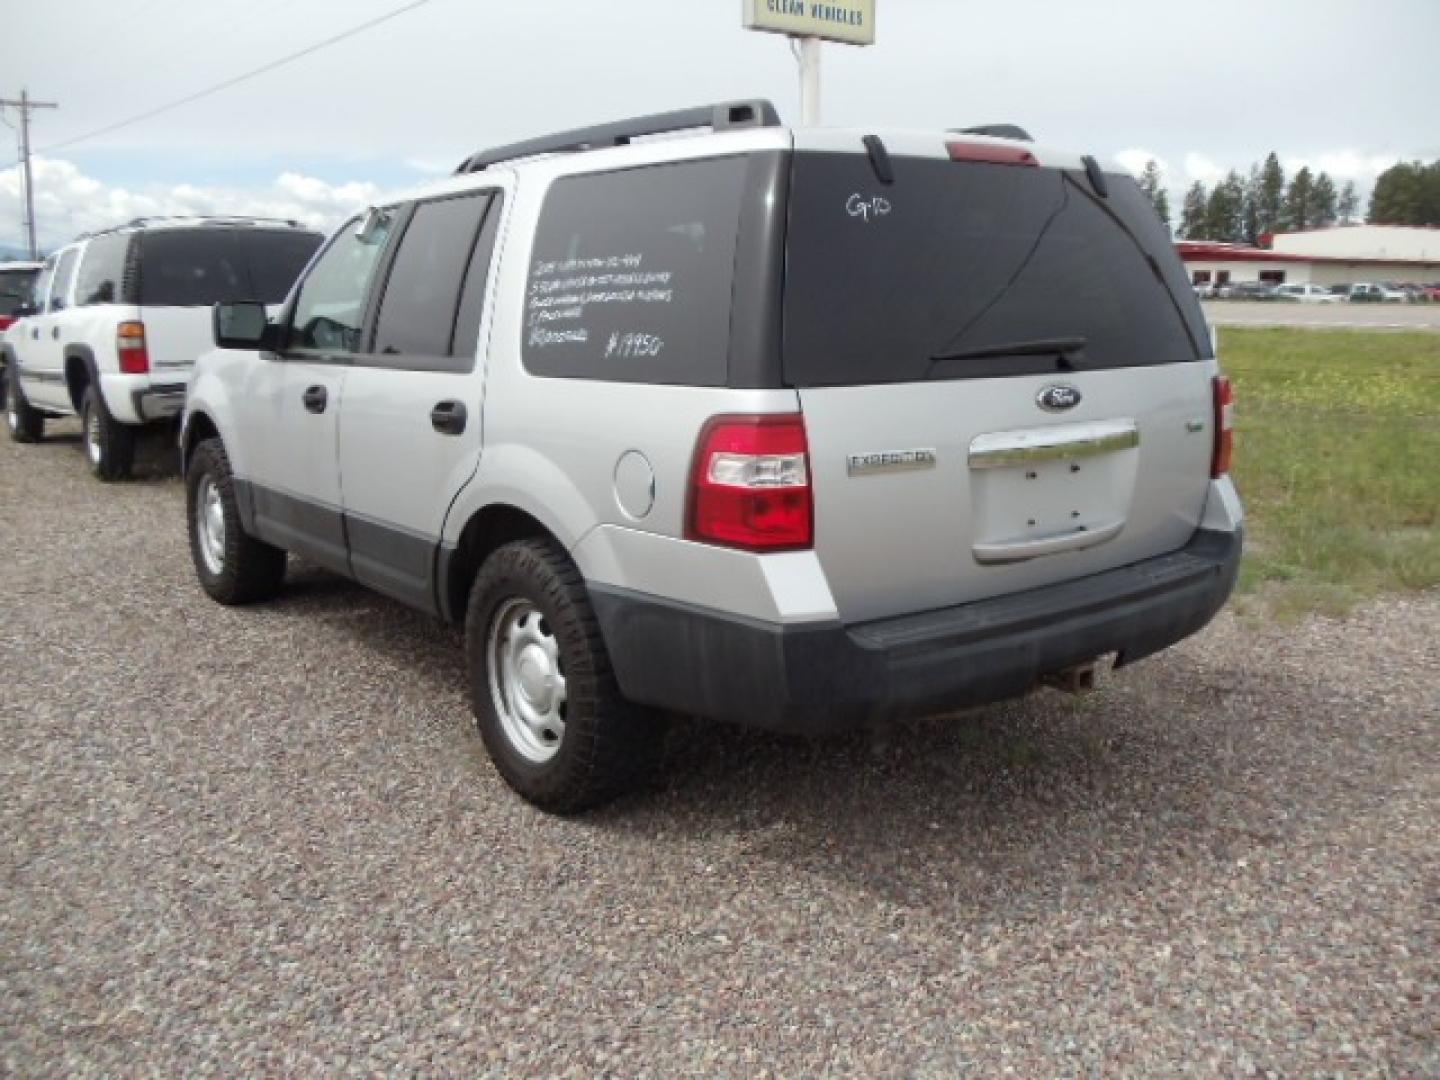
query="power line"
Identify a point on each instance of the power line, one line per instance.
(236, 80)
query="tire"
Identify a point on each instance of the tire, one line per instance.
(233, 566)
(541, 686)
(109, 445)
(24, 423)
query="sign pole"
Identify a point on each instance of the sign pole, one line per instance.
(810, 81)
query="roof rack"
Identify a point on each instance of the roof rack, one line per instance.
(725, 116)
(997, 131)
(213, 219)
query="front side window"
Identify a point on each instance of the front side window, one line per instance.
(64, 274)
(330, 309)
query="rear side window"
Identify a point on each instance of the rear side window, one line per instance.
(102, 270)
(631, 275)
(418, 310)
(64, 277)
(200, 267)
(964, 260)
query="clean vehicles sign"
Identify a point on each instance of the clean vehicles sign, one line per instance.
(850, 21)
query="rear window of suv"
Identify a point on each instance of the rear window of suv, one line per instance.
(965, 260)
(199, 267)
(630, 278)
(16, 289)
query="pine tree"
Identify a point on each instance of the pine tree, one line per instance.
(1150, 184)
(1225, 210)
(1407, 194)
(1250, 216)
(1299, 203)
(1349, 204)
(1323, 209)
(1192, 214)
(1270, 195)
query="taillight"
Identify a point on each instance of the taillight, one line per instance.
(130, 344)
(1224, 427)
(750, 484)
(6, 322)
(992, 153)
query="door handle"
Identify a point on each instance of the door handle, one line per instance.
(55, 332)
(448, 418)
(34, 333)
(314, 399)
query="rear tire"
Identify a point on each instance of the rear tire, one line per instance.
(233, 566)
(541, 686)
(109, 445)
(24, 423)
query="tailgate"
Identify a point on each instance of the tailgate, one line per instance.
(1005, 378)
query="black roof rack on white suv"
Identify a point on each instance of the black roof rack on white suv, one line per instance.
(724, 116)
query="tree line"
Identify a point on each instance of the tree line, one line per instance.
(1241, 209)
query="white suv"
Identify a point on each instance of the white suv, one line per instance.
(803, 429)
(120, 316)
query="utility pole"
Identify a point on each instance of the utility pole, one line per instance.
(25, 105)
(809, 58)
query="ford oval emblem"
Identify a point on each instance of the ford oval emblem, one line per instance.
(1057, 397)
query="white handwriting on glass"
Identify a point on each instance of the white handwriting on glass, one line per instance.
(867, 209)
(628, 345)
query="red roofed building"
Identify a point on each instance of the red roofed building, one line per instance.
(1345, 254)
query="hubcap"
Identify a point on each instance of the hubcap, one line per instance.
(527, 680)
(210, 525)
(92, 435)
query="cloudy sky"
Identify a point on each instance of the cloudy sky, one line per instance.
(1200, 85)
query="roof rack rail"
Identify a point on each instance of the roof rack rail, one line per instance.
(725, 116)
(997, 131)
(219, 219)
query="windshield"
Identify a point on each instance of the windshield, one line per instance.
(958, 270)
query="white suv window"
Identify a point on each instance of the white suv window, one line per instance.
(64, 275)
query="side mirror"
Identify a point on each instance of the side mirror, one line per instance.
(243, 325)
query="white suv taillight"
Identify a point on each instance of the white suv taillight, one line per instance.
(130, 344)
(750, 484)
(1224, 427)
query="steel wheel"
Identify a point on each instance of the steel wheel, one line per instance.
(12, 414)
(527, 680)
(210, 525)
(92, 435)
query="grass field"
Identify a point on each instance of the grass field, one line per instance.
(1338, 463)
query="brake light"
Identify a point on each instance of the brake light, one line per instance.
(992, 153)
(1224, 427)
(6, 322)
(750, 484)
(130, 344)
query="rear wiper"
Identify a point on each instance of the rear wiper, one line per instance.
(1038, 347)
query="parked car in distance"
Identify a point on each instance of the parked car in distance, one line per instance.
(1372, 293)
(1307, 294)
(17, 294)
(121, 315)
(1252, 290)
(550, 398)
(1342, 291)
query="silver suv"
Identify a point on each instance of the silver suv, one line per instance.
(119, 317)
(801, 429)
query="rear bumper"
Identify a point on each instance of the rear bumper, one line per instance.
(817, 677)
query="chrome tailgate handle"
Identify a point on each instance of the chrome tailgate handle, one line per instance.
(1007, 449)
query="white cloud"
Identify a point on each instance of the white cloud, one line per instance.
(1136, 158)
(68, 202)
(1202, 168)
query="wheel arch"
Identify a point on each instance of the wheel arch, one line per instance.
(199, 426)
(487, 529)
(80, 372)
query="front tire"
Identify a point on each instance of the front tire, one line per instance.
(233, 566)
(109, 444)
(24, 423)
(541, 687)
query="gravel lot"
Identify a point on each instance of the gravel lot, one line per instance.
(268, 840)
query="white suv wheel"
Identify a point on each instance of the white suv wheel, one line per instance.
(210, 525)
